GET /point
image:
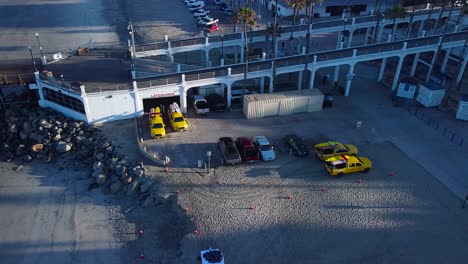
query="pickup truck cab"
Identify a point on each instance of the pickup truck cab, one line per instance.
(200, 105)
(229, 151)
(247, 150)
(343, 164)
(157, 127)
(176, 118)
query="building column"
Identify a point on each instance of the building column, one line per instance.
(271, 84)
(207, 57)
(431, 66)
(415, 64)
(460, 73)
(183, 98)
(349, 78)
(262, 84)
(41, 100)
(382, 69)
(228, 94)
(312, 78)
(337, 68)
(379, 34)
(350, 39)
(366, 39)
(299, 79)
(446, 58)
(397, 73)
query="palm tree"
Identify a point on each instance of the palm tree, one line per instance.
(378, 5)
(296, 5)
(245, 16)
(397, 11)
(271, 30)
(448, 17)
(429, 15)
(411, 19)
(310, 4)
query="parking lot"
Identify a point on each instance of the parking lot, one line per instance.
(399, 212)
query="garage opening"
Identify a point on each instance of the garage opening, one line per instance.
(154, 102)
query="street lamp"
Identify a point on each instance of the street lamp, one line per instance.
(39, 43)
(32, 58)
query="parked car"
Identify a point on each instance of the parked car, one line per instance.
(216, 102)
(157, 127)
(229, 151)
(228, 11)
(200, 105)
(264, 148)
(247, 150)
(189, 2)
(340, 165)
(196, 7)
(236, 95)
(176, 118)
(217, 2)
(211, 256)
(296, 145)
(332, 148)
(201, 13)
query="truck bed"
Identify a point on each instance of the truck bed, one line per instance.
(229, 151)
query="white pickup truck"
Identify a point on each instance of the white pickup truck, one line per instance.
(200, 105)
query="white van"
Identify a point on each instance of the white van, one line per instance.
(200, 105)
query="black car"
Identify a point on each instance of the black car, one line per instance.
(216, 102)
(296, 145)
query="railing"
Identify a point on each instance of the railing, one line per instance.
(60, 84)
(298, 59)
(317, 25)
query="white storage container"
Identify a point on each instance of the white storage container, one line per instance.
(462, 111)
(406, 90)
(430, 94)
(284, 103)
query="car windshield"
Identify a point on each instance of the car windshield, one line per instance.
(201, 104)
(266, 147)
(179, 119)
(157, 125)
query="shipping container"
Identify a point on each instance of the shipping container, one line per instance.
(462, 111)
(430, 94)
(284, 103)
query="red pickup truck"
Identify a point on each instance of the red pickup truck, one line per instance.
(247, 150)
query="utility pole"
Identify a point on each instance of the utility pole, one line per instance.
(131, 31)
(32, 58)
(40, 47)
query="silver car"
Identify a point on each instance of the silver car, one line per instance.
(267, 152)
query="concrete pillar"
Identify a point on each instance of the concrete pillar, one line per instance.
(415, 64)
(222, 62)
(460, 73)
(312, 79)
(382, 69)
(397, 73)
(379, 34)
(138, 103)
(338, 42)
(431, 66)
(366, 39)
(277, 40)
(207, 57)
(349, 78)
(271, 84)
(299, 79)
(183, 99)
(337, 68)
(350, 39)
(171, 58)
(178, 68)
(228, 95)
(446, 58)
(262, 84)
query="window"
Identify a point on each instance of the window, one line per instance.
(351, 165)
(64, 100)
(358, 164)
(341, 150)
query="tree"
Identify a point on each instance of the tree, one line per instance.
(411, 19)
(429, 15)
(271, 30)
(246, 17)
(296, 5)
(378, 6)
(397, 11)
(310, 4)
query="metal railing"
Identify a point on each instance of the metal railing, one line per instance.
(287, 29)
(60, 84)
(297, 60)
